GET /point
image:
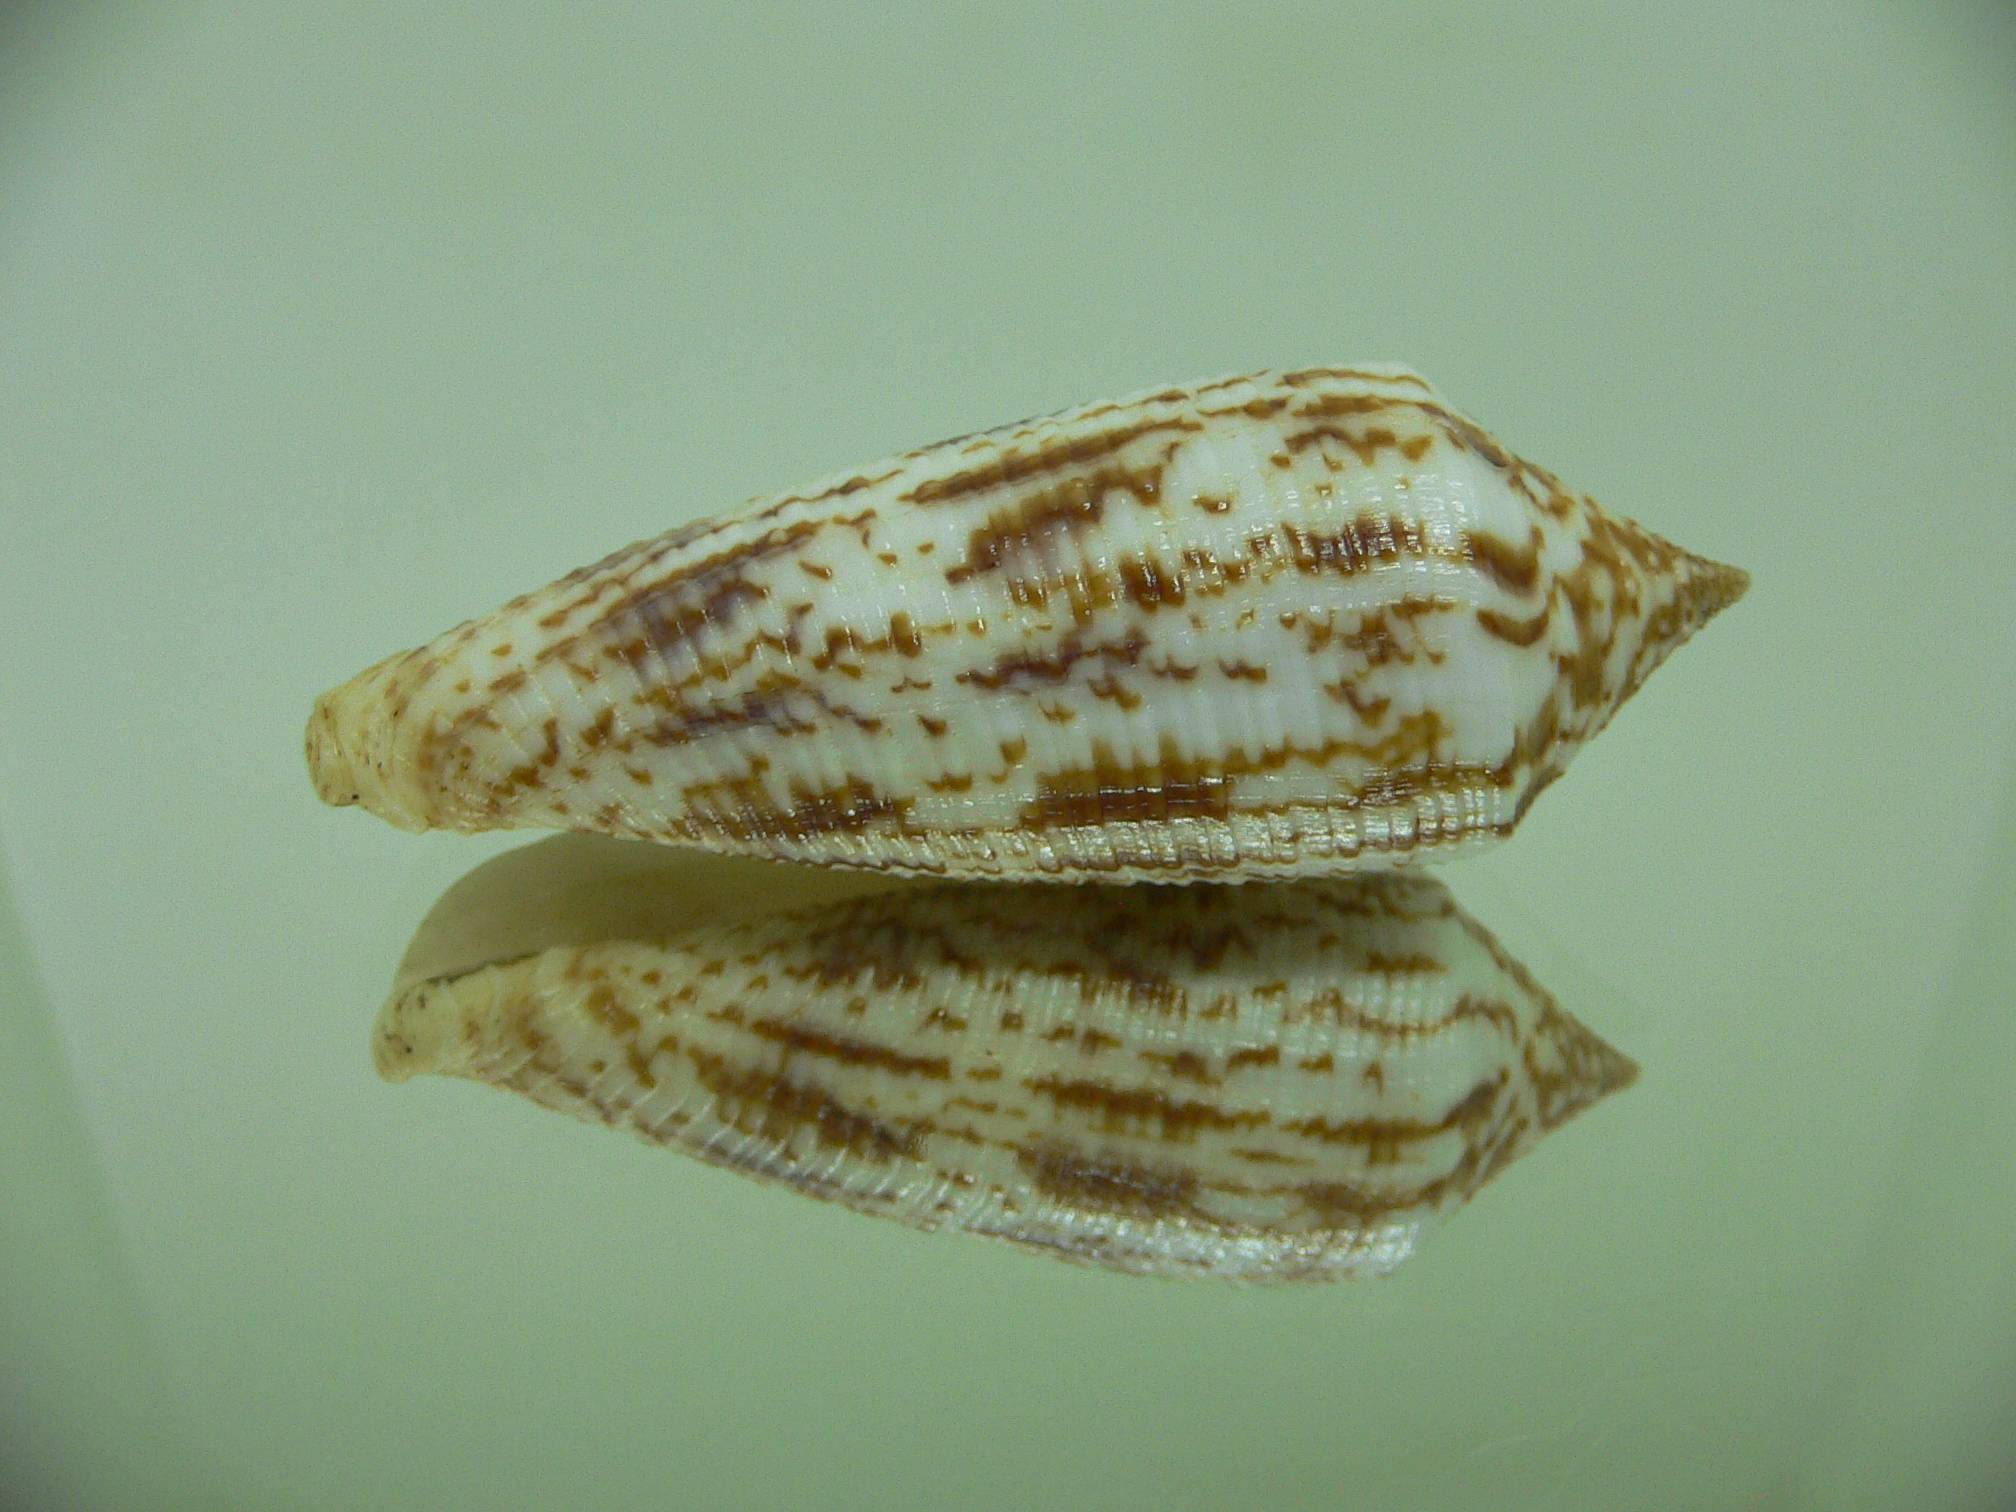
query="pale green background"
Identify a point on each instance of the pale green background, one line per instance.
(325, 326)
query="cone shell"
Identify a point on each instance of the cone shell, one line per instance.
(1271, 626)
(1261, 1083)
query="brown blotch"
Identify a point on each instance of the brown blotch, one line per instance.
(1142, 1111)
(1330, 406)
(1183, 1065)
(1338, 1205)
(1107, 1184)
(1471, 437)
(1026, 667)
(1371, 710)
(1514, 568)
(1031, 527)
(851, 807)
(1368, 541)
(1389, 633)
(1108, 791)
(1148, 585)
(603, 1005)
(1401, 965)
(849, 1052)
(1513, 631)
(1305, 377)
(1016, 466)
(1383, 1139)
(775, 1109)
(601, 732)
(1267, 1157)
(1111, 688)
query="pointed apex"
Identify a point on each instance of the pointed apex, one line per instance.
(1585, 1070)
(1679, 593)
(1706, 589)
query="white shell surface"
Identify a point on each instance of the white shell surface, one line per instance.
(1278, 625)
(1266, 1082)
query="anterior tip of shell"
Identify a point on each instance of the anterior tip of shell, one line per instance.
(418, 1031)
(329, 765)
(353, 746)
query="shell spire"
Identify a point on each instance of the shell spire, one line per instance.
(1269, 626)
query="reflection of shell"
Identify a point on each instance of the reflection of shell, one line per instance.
(1267, 626)
(1265, 1083)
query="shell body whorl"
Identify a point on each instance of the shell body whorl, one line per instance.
(1269, 626)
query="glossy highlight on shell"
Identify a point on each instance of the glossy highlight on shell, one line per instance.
(1285, 1082)
(1282, 625)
